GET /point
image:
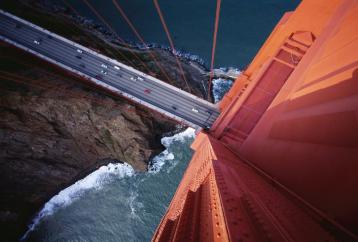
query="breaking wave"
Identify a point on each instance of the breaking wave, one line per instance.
(95, 180)
(106, 174)
(103, 176)
(160, 160)
(220, 87)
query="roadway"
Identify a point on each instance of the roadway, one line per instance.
(131, 83)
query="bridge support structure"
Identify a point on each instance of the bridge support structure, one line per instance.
(280, 162)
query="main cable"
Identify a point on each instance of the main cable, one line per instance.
(125, 17)
(217, 16)
(70, 7)
(156, 4)
(119, 38)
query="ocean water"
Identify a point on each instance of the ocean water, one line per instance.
(114, 203)
(243, 27)
(220, 87)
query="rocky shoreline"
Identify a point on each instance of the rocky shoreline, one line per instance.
(195, 61)
(51, 138)
(55, 129)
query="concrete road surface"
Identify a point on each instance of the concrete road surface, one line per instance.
(108, 72)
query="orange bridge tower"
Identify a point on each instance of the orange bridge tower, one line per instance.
(281, 161)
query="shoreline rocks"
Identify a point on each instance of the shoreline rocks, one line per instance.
(54, 129)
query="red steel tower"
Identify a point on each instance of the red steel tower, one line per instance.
(281, 162)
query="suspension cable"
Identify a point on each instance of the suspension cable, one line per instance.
(170, 40)
(121, 11)
(217, 16)
(70, 7)
(119, 38)
(67, 4)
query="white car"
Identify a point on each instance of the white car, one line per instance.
(79, 51)
(104, 66)
(140, 79)
(104, 72)
(195, 110)
(116, 67)
(132, 78)
(37, 41)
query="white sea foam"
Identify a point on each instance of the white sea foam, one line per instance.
(188, 133)
(133, 196)
(95, 180)
(160, 160)
(104, 175)
(135, 205)
(220, 87)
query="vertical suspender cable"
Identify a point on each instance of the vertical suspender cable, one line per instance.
(170, 41)
(70, 7)
(217, 16)
(120, 10)
(120, 39)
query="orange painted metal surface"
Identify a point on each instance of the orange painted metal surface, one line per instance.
(281, 162)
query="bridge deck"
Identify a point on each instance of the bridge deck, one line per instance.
(149, 91)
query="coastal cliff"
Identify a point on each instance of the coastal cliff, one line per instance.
(56, 129)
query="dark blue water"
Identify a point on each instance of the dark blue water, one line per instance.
(114, 203)
(244, 24)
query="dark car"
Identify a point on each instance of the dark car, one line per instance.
(174, 107)
(206, 128)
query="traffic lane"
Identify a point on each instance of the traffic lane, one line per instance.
(42, 48)
(44, 35)
(13, 21)
(173, 102)
(149, 84)
(162, 96)
(165, 92)
(113, 74)
(165, 104)
(96, 65)
(154, 85)
(71, 50)
(26, 39)
(191, 119)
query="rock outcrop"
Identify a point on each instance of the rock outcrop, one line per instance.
(54, 131)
